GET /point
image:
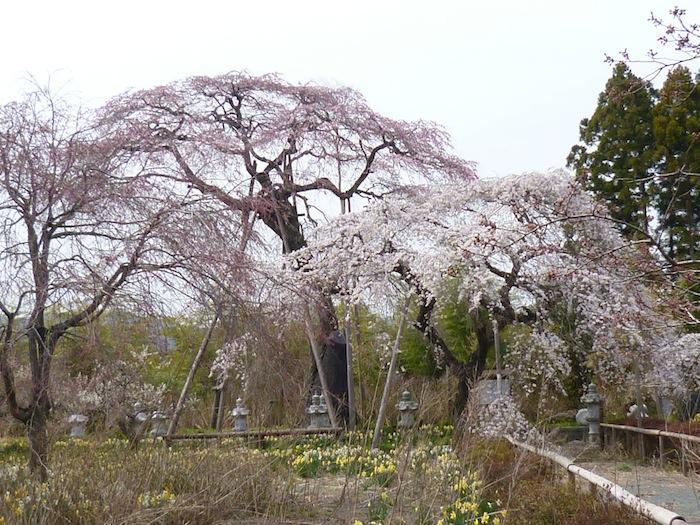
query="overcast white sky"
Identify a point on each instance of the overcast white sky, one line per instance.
(509, 80)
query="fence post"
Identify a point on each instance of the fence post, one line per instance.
(612, 439)
(661, 450)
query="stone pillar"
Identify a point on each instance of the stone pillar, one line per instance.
(407, 408)
(77, 425)
(593, 401)
(159, 422)
(240, 416)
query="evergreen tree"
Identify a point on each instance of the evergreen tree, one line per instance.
(676, 126)
(616, 154)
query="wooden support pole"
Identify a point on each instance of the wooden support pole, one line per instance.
(215, 408)
(190, 376)
(613, 441)
(316, 351)
(221, 414)
(390, 376)
(352, 411)
(661, 450)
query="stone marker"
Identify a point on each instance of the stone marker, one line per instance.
(77, 423)
(487, 389)
(159, 424)
(638, 412)
(407, 408)
(240, 416)
(665, 406)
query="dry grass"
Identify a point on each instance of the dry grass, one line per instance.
(107, 483)
(535, 492)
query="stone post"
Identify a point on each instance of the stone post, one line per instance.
(240, 416)
(593, 401)
(77, 425)
(159, 424)
(407, 408)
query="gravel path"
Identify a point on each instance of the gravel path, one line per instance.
(666, 488)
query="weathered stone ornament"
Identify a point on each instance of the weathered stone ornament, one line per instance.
(77, 422)
(240, 416)
(407, 408)
(593, 401)
(159, 422)
(318, 412)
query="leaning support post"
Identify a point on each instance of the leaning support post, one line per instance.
(190, 377)
(222, 405)
(497, 351)
(316, 351)
(390, 376)
(352, 412)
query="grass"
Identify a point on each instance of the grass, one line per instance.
(535, 492)
(104, 482)
(415, 479)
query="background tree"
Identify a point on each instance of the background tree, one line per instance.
(676, 125)
(528, 251)
(75, 229)
(274, 151)
(616, 156)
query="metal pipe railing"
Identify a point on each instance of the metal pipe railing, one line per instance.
(660, 435)
(653, 432)
(645, 508)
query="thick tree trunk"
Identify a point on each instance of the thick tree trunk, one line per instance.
(316, 351)
(38, 443)
(334, 361)
(283, 219)
(468, 373)
(41, 347)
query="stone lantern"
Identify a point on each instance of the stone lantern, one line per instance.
(593, 401)
(318, 412)
(240, 416)
(77, 425)
(159, 422)
(407, 408)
